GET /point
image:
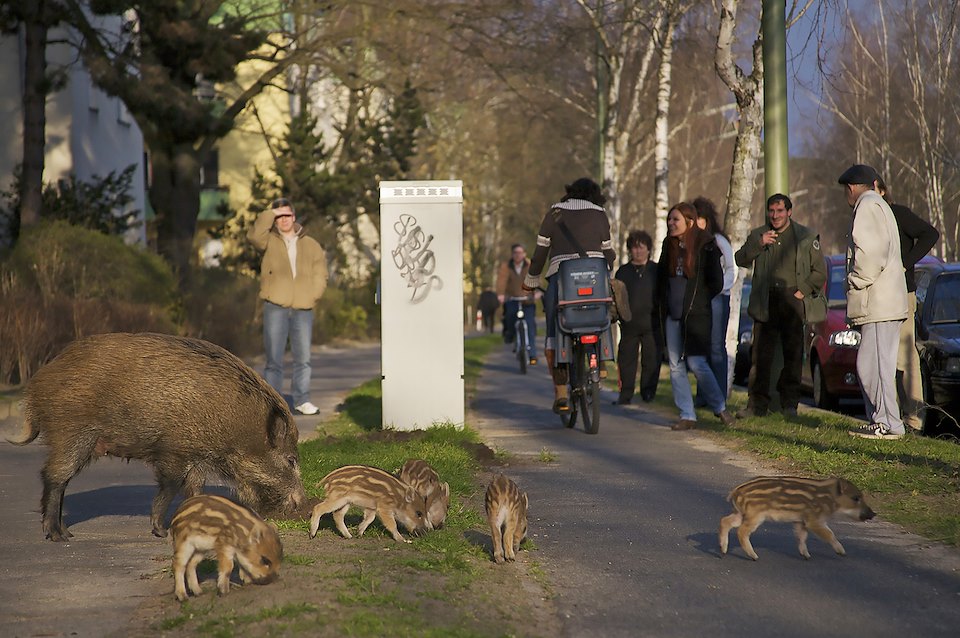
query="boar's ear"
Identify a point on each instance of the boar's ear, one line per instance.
(279, 426)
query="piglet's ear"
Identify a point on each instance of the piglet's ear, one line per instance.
(409, 494)
(445, 489)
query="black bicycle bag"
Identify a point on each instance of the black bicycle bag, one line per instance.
(584, 295)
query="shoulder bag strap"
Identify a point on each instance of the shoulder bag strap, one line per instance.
(558, 219)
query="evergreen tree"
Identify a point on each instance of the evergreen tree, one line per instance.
(330, 195)
(165, 65)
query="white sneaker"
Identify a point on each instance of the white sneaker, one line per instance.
(307, 408)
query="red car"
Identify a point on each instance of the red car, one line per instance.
(830, 347)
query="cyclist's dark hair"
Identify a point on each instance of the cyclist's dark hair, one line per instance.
(779, 197)
(585, 188)
(637, 237)
(515, 246)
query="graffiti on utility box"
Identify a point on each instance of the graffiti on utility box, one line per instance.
(414, 259)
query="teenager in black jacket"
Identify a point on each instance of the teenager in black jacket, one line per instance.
(639, 335)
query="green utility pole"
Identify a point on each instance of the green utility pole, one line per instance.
(775, 140)
(602, 80)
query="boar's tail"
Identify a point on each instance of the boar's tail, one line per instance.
(30, 432)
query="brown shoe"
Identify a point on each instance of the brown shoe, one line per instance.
(561, 401)
(684, 424)
(725, 417)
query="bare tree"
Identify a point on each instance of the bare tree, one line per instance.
(625, 43)
(906, 57)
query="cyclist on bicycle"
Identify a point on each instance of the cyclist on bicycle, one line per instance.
(581, 211)
(511, 294)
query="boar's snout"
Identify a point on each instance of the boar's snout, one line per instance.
(866, 513)
(295, 501)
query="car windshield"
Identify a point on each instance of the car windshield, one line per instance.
(837, 287)
(946, 301)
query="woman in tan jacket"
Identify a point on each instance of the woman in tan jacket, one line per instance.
(293, 277)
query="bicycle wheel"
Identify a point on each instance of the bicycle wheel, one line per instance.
(589, 393)
(522, 346)
(590, 403)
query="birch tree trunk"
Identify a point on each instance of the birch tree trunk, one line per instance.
(661, 180)
(748, 91)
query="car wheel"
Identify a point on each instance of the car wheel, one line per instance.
(821, 395)
(931, 417)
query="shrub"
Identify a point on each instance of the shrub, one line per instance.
(221, 306)
(96, 204)
(62, 282)
(60, 260)
(346, 313)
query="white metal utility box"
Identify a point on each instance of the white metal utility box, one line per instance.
(421, 297)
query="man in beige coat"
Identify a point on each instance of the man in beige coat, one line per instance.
(876, 300)
(293, 276)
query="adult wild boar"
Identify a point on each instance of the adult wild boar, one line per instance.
(184, 406)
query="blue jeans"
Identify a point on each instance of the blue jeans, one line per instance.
(510, 308)
(720, 306)
(279, 324)
(550, 300)
(698, 365)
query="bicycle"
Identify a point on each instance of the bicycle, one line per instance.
(583, 318)
(521, 330)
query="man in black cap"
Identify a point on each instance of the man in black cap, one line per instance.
(917, 237)
(788, 277)
(876, 300)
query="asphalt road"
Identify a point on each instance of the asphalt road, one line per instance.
(625, 527)
(92, 585)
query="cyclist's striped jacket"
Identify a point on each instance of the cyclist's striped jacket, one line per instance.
(587, 222)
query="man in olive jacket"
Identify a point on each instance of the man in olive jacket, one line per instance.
(788, 277)
(293, 276)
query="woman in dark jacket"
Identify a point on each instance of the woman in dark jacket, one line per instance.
(688, 278)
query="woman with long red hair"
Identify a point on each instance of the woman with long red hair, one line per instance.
(689, 277)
